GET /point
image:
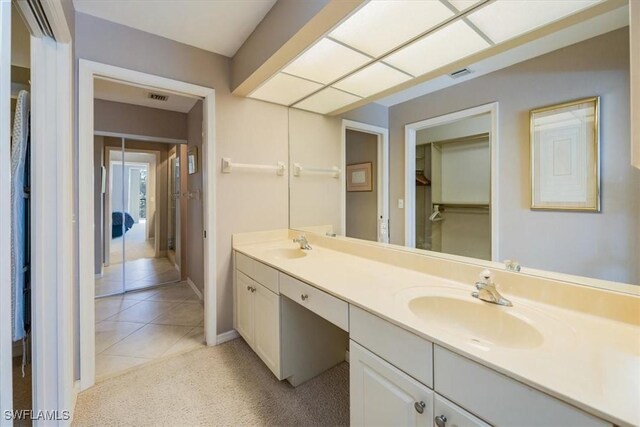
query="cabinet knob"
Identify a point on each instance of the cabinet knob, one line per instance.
(304, 297)
(248, 288)
(441, 420)
(419, 407)
(253, 289)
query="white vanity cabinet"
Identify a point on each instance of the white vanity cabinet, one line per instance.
(258, 311)
(383, 395)
(393, 371)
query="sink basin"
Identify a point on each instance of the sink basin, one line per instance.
(287, 253)
(484, 324)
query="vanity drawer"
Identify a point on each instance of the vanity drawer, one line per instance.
(261, 273)
(406, 351)
(499, 399)
(324, 305)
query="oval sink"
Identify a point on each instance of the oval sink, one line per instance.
(483, 323)
(287, 253)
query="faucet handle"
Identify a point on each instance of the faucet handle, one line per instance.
(486, 276)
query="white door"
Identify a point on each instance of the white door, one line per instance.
(6, 387)
(267, 327)
(245, 306)
(382, 395)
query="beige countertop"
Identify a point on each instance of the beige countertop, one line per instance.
(589, 361)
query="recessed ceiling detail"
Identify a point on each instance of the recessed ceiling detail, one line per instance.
(387, 43)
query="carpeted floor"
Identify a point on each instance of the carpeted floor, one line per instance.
(223, 385)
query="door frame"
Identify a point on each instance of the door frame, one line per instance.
(6, 347)
(410, 131)
(88, 70)
(382, 135)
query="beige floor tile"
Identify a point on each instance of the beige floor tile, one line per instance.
(140, 295)
(108, 333)
(108, 365)
(107, 307)
(177, 293)
(143, 311)
(150, 341)
(194, 339)
(186, 313)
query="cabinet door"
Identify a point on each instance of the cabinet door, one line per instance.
(449, 414)
(244, 306)
(382, 395)
(267, 327)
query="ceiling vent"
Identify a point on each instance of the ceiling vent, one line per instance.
(459, 73)
(158, 97)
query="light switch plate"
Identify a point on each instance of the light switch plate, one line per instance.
(400, 203)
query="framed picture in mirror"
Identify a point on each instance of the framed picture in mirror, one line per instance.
(359, 177)
(565, 156)
(192, 160)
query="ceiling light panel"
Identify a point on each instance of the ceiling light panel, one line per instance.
(379, 26)
(327, 100)
(372, 79)
(462, 5)
(444, 46)
(505, 19)
(285, 89)
(326, 61)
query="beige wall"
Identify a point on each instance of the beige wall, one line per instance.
(248, 131)
(362, 207)
(195, 241)
(315, 141)
(601, 245)
(136, 120)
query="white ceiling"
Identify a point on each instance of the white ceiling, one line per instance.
(110, 90)
(601, 24)
(219, 26)
(384, 44)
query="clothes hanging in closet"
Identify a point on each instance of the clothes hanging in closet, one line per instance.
(20, 259)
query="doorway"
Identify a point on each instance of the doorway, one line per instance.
(158, 308)
(365, 155)
(446, 211)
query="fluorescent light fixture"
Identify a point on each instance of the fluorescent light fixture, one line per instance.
(285, 89)
(505, 19)
(462, 5)
(444, 46)
(372, 79)
(380, 26)
(326, 61)
(327, 100)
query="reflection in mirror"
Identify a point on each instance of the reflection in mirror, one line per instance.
(460, 179)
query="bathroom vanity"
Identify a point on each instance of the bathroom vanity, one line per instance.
(422, 350)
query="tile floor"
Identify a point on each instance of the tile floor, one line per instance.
(141, 273)
(137, 327)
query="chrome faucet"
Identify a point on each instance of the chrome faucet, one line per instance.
(487, 290)
(512, 265)
(302, 241)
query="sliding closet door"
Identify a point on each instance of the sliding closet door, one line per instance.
(147, 212)
(109, 185)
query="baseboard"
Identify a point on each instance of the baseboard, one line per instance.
(227, 336)
(195, 289)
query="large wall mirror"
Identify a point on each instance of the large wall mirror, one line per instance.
(447, 166)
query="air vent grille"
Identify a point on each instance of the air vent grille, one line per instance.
(158, 97)
(459, 73)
